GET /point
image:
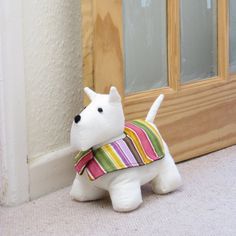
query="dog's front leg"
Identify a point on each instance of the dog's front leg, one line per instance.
(83, 189)
(168, 178)
(125, 196)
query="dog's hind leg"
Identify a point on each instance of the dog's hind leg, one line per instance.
(168, 178)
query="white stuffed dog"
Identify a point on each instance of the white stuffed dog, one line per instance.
(119, 157)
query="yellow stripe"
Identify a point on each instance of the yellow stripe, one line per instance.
(113, 156)
(154, 131)
(138, 145)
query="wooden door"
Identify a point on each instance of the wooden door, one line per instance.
(195, 118)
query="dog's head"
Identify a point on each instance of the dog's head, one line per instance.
(102, 120)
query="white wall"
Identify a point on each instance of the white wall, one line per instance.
(52, 52)
(41, 91)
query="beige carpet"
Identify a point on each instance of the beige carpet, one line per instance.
(205, 205)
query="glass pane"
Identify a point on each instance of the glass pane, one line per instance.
(198, 39)
(145, 44)
(232, 11)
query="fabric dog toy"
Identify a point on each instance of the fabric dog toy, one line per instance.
(119, 157)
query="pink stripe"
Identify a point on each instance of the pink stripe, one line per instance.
(82, 163)
(146, 143)
(95, 169)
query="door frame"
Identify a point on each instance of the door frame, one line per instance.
(103, 66)
(14, 180)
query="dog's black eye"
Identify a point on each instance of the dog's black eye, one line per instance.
(100, 110)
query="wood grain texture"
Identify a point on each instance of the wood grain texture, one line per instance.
(108, 46)
(173, 26)
(195, 118)
(223, 38)
(194, 121)
(87, 44)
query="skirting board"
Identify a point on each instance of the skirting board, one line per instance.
(51, 172)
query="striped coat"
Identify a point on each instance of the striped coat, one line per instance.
(142, 145)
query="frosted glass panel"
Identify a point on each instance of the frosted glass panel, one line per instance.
(145, 44)
(198, 39)
(232, 11)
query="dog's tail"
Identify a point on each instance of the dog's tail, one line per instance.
(154, 108)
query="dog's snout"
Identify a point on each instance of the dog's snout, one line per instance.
(77, 118)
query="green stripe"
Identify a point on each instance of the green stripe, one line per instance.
(156, 142)
(154, 139)
(104, 160)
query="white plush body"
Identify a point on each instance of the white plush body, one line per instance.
(124, 185)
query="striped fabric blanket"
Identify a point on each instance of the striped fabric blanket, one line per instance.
(142, 145)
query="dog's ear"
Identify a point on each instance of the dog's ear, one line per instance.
(114, 95)
(90, 93)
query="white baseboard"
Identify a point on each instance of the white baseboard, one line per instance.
(51, 172)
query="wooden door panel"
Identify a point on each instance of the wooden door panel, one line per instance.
(108, 46)
(193, 121)
(195, 118)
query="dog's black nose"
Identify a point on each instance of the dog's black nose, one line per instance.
(77, 118)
